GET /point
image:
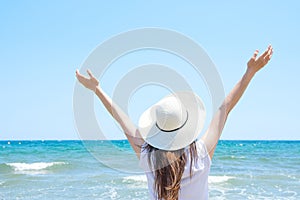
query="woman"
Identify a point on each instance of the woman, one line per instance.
(175, 162)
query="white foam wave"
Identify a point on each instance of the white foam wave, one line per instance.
(211, 179)
(219, 179)
(33, 166)
(136, 178)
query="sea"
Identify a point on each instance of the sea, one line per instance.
(109, 170)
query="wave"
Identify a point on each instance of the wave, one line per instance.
(136, 178)
(219, 179)
(33, 166)
(211, 179)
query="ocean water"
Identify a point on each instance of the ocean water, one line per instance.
(108, 170)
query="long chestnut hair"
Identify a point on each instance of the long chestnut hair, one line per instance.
(169, 167)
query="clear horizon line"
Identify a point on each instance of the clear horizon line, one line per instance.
(3, 140)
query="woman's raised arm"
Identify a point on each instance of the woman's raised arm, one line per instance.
(118, 114)
(214, 131)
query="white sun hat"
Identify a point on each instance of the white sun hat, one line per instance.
(174, 122)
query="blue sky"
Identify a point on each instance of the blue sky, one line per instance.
(43, 42)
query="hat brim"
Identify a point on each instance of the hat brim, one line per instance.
(180, 138)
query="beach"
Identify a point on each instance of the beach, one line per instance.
(68, 170)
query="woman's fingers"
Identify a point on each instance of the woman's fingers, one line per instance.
(90, 73)
(255, 54)
(80, 77)
(77, 73)
(269, 53)
(257, 63)
(266, 56)
(265, 53)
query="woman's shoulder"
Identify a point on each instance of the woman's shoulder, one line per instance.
(202, 150)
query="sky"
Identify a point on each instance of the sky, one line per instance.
(44, 42)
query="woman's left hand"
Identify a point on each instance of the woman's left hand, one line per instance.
(89, 82)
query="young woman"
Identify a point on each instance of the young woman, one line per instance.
(175, 162)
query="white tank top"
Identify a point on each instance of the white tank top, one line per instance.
(194, 188)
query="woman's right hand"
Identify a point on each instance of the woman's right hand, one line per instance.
(89, 82)
(255, 64)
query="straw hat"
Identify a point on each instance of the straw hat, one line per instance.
(174, 122)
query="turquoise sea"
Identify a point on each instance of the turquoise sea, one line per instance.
(99, 170)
